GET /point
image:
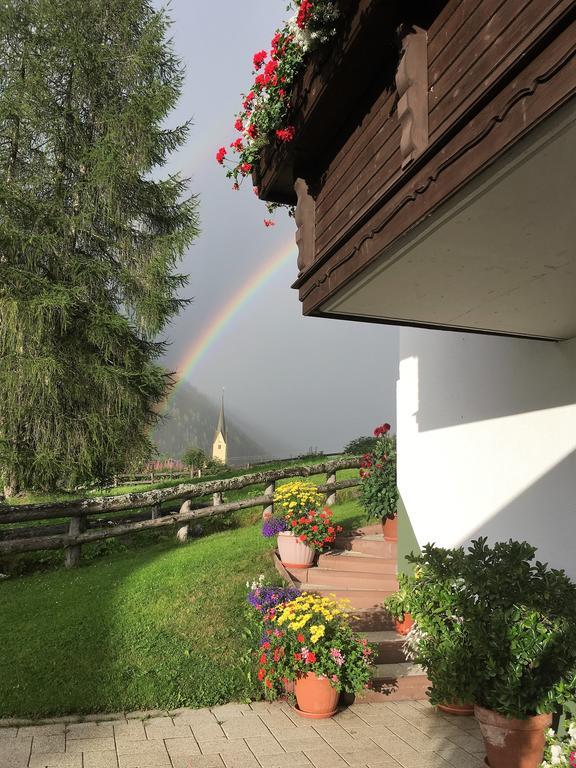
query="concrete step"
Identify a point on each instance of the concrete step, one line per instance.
(345, 560)
(368, 544)
(389, 646)
(358, 597)
(348, 579)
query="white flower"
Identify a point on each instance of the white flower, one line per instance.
(572, 733)
(556, 754)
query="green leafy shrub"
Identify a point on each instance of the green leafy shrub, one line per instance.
(378, 489)
(495, 625)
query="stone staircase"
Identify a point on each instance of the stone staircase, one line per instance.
(362, 568)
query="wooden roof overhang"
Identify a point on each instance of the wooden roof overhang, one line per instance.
(379, 168)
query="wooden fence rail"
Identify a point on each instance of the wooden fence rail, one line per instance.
(80, 530)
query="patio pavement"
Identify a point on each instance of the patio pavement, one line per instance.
(261, 735)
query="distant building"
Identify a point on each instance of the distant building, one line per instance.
(220, 444)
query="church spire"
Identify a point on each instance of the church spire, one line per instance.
(221, 428)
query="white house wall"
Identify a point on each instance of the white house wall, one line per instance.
(487, 440)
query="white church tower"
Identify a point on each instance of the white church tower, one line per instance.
(220, 444)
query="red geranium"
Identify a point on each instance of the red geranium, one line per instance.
(304, 13)
(259, 59)
(286, 134)
(221, 154)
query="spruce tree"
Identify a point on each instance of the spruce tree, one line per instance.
(90, 234)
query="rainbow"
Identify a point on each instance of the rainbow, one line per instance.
(217, 325)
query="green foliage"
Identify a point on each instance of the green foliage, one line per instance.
(505, 623)
(438, 641)
(378, 489)
(90, 236)
(360, 445)
(195, 458)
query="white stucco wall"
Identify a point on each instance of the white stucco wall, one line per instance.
(487, 440)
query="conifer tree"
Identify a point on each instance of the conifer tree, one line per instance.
(90, 234)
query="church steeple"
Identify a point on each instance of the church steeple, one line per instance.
(220, 444)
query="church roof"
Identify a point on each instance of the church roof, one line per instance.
(221, 428)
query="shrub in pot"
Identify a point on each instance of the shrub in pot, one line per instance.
(310, 642)
(438, 638)
(378, 489)
(519, 617)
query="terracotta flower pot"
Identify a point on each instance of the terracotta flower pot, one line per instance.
(457, 709)
(390, 528)
(293, 552)
(404, 626)
(315, 696)
(513, 743)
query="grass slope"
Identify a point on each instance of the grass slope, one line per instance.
(157, 627)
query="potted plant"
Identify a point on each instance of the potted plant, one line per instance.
(438, 639)
(561, 749)
(378, 489)
(398, 607)
(303, 527)
(519, 620)
(310, 641)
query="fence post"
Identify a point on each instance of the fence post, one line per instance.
(155, 512)
(269, 508)
(72, 554)
(330, 495)
(182, 532)
(217, 499)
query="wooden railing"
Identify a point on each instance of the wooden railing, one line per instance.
(80, 521)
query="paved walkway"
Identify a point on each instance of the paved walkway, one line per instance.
(390, 735)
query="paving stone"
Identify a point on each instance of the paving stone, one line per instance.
(145, 714)
(89, 731)
(431, 760)
(182, 747)
(167, 732)
(389, 762)
(207, 731)
(201, 761)
(48, 744)
(289, 760)
(302, 743)
(278, 722)
(325, 757)
(224, 746)
(364, 752)
(130, 731)
(8, 733)
(469, 742)
(244, 726)
(240, 761)
(74, 746)
(264, 746)
(15, 750)
(51, 729)
(228, 711)
(192, 715)
(100, 760)
(145, 761)
(459, 758)
(58, 760)
(145, 747)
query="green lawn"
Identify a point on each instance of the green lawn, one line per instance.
(155, 627)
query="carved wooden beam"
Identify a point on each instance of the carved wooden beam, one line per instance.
(412, 85)
(305, 217)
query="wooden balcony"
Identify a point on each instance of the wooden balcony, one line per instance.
(434, 170)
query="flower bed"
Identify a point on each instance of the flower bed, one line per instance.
(264, 117)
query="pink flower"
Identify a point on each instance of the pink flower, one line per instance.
(269, 223)
(337, 656)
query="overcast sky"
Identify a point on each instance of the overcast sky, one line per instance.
(311, 381)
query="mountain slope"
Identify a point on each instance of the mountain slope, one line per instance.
(190, 420)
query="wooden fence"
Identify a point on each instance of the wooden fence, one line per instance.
(69, 525)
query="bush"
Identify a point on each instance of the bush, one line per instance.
(494, 625)
(360, 445)
(378, 489)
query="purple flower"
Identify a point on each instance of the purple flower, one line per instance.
(273, 526)
(263, 599)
